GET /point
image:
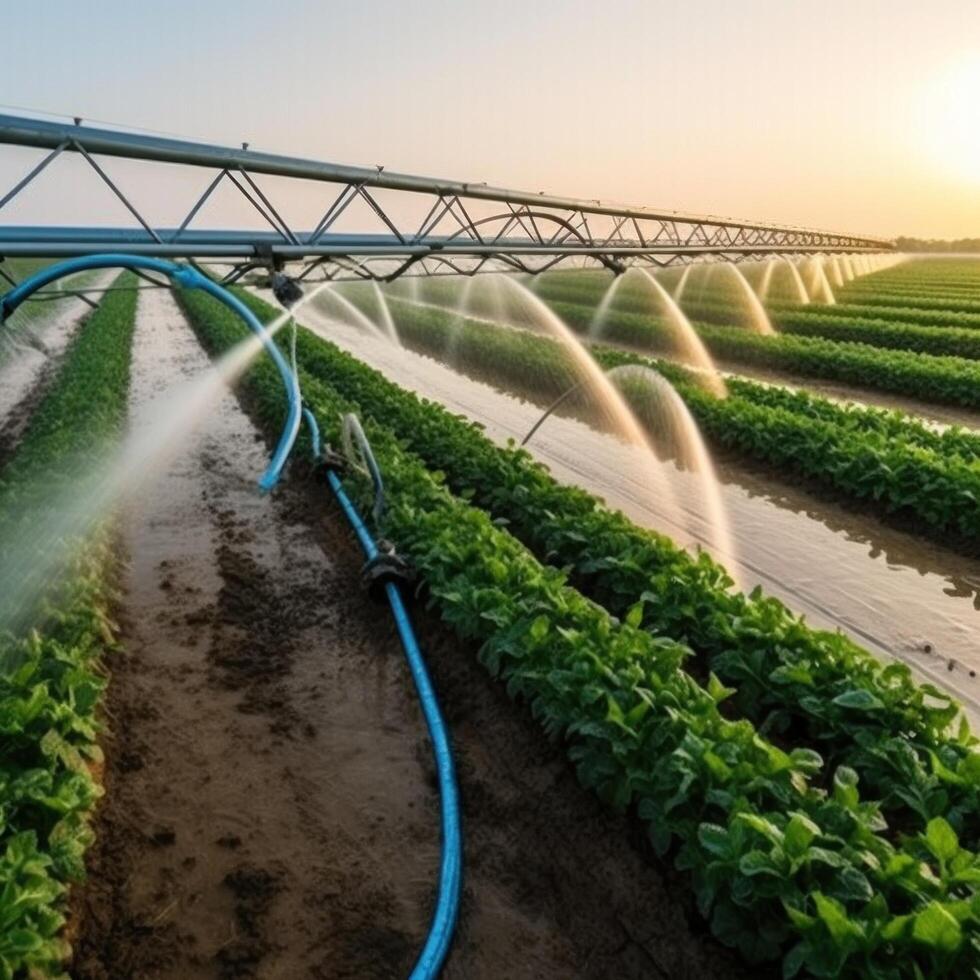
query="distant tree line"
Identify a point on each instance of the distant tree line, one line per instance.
(938, 245)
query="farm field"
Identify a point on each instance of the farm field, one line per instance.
(456, 524)
(706, 647)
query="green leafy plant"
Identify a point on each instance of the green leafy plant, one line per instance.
(51, 678)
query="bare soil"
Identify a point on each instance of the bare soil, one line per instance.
(271, 807)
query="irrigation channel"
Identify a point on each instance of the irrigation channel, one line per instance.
(271, 807)
(896, 594)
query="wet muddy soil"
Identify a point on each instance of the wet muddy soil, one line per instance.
(896, 594)
(271, 807)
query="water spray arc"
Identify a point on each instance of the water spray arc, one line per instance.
(835, 273)
(664, 411)
(802, 295)
(766, 281)
(760, 319)
(818, 285)
(189, 278)
(681, 284)
(687, 345)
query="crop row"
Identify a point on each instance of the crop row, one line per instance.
(949, 380)
(869, 297)
(913, 293)
(52, 675)
(779, 864)
(905, 315)
(907, 471)
(907, 283)
(889, 424)
(804, 321)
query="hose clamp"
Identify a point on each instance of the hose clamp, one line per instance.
(387, 566)
(329, 459)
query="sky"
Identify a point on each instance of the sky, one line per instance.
(854, 115)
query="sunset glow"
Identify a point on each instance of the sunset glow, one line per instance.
(951, 121)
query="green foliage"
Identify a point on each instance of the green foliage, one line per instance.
(904, 313)
(51, 677)
(785, 856)
(879, 332)
(888, 426)
(959, 311)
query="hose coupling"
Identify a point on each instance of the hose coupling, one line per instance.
(330, 459)
(387, 566)
(286, 289)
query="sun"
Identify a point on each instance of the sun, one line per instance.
(950, 120)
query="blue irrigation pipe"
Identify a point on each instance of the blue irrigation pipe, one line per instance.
(443, 924)
(189, 278)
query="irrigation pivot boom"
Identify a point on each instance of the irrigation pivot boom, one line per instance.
(416, 225)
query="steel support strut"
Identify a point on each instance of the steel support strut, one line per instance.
(466, 225)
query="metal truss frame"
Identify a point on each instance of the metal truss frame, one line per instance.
(468, 228)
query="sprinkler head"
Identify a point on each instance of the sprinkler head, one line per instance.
(287, 291)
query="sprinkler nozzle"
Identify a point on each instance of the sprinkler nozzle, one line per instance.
(287, 291)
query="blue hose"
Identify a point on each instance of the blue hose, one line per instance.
(189, 278)
(314, 431)
(443, 924)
